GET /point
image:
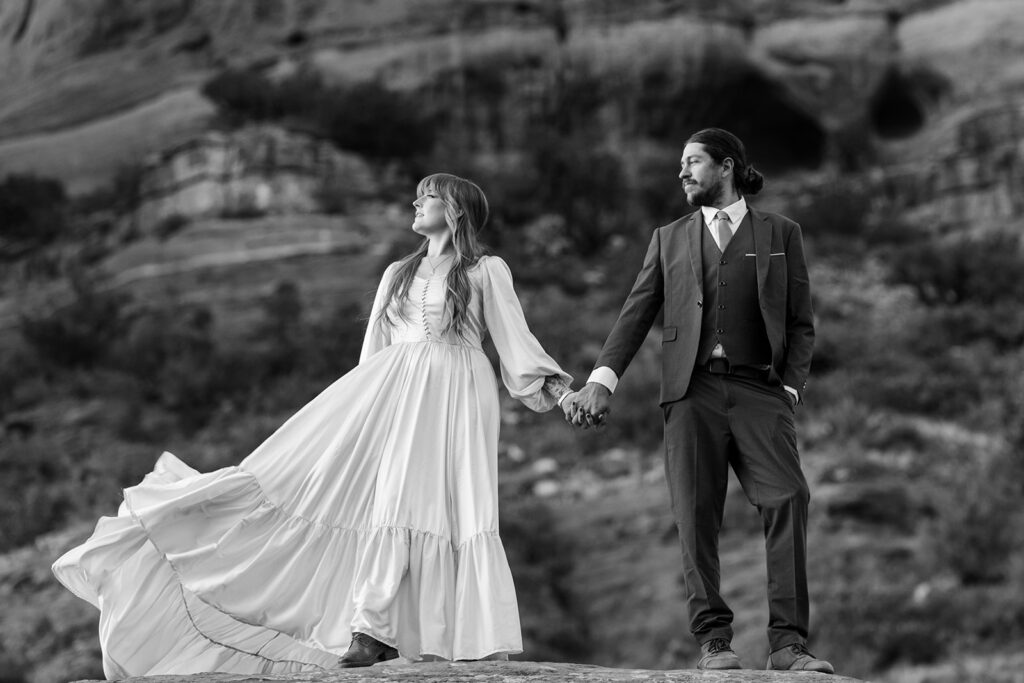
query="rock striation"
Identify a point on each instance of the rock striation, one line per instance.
(253, 171)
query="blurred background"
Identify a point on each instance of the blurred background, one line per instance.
(197, 198)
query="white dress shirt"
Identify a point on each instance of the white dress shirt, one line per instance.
(736, 211)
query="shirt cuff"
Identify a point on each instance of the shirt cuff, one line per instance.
(564, 396)
(796, 394)
(606, 376)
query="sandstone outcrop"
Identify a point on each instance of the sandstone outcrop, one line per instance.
(505, 672)
(251, 172)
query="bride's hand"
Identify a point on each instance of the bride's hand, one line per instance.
(569, 406)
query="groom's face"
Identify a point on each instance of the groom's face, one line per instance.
(702, 177)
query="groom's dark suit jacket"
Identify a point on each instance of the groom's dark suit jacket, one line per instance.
(672, 275)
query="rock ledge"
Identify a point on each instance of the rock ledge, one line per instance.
(503, 672)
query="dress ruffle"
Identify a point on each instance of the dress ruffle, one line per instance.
(226, 582)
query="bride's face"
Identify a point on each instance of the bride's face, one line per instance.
(429, 218)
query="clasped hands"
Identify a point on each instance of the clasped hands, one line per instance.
(587, 407)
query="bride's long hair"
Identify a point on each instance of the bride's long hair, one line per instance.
(466, 211)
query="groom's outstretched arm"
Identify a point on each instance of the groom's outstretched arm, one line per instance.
(628, 333)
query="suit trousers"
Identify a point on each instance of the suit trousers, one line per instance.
(726, 420)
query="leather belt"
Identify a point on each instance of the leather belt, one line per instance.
(721, 366)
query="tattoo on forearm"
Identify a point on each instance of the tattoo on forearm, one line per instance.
(555, 386)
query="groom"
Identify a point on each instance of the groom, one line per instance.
(736, 349)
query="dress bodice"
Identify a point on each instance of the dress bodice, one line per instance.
(493, 310)
(423, 316)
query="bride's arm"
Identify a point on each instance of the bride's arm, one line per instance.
(378, 331)
(530, 374)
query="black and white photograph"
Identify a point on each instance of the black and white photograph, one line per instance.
(518, 341)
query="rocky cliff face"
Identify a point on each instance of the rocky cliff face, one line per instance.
(831, 84)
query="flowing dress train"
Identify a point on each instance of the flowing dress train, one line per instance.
(374, 509)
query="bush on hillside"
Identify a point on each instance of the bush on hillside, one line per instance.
(367, 117)
(79, 333)
(17, 365)
(584, 184)
(32, 212)
(245, 93)
(182, 363)
(119, 197)
(570, 177)
(948, 383)
(37, 492)
(170, 225)
(372, 120)
(980, 536)
(542, 559)
(835, 216)
(982, 269)
(998, 326)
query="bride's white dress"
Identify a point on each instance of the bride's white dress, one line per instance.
(372, 509)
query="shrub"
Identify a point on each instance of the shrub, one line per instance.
(246, 93)
(154, 335)
(122, 195)
(835, 213)
(372, 120)
(583, 184)
(946, 384)
(80, 333)
(336, 341)
(32, 212)
(981, 269)
(17, 364)
(978, 536)
(37, 493)
(999, 325)
(278, 335)
(174, 354)
(363, 117)
(170, 225)
(568, 176)
(542, 559)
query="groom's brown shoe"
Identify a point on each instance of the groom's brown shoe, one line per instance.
(366, 651)
(795, 657)
(717, 654)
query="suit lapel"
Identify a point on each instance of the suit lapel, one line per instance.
(693, 236)
(762, 233)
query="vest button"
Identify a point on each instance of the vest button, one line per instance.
(721, 331)
(722, 283)
(722, 262)
(721, 307)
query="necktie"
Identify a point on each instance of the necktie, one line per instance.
(724, 231)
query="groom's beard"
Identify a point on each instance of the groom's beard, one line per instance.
(707, 196)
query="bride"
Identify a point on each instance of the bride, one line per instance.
(368, 520)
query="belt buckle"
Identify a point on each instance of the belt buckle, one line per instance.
(718, 366)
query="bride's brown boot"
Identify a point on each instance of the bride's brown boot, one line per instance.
(366, 651)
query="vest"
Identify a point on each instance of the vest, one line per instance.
(731, 314)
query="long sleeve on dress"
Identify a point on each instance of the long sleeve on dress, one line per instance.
(524, 364)
(378, 335)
